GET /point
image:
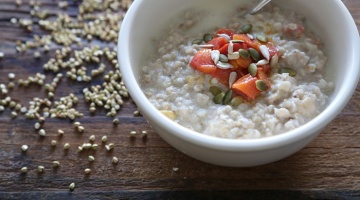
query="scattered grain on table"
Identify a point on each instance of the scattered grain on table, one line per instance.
(75, 58)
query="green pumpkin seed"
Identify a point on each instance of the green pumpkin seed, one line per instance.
(287, 70)
(236, 101)
(254, 54)
(207, 37)
(223, 58)
(227, 97)
(218, 99)
(252, 69)
(215, 90)
(261, 85)
(197, 41)
(243, 53)
(261, 37)
(246, 28)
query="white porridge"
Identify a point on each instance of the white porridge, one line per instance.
(295, 93)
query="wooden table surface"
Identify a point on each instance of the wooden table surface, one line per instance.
(328, 168)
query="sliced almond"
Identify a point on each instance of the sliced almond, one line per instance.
(262, 62)
(206, 46)
(222, 65)
(237, 41)
(250, 36)
(232, 78)
(215, 56)
(227, 37)
(274, 60)
(233, 56)
(231, 47)
(265, 52)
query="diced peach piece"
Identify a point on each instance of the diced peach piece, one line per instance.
(246, 86)
(247, 40)
(218, 42)
(241, 63)
(202, 62)
(261, 74)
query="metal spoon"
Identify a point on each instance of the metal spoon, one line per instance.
(259, 6)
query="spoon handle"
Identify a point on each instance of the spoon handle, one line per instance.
(259, 6)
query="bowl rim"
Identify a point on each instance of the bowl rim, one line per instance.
(224, 144)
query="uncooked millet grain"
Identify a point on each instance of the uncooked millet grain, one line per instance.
(56, 164)
(60, 132)
(72, 186)
(86, 146)
(24, 147)
(94, 146)
(133, 134)
(92, 138)
(11, 75)
(110, 146)
(42, 132)
(66, 146)
(104, 138)
(87, 171)
(91, 158)
(53, 143)
(24, 170)
(41, 169)
(114, 160)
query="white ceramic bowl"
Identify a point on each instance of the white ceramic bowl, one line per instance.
(146, 19)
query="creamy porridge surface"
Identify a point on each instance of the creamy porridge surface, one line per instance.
(182, 93)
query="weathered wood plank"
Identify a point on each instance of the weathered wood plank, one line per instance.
(149, 164)
(185, 195)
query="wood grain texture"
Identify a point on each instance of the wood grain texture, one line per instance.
(330, 165)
